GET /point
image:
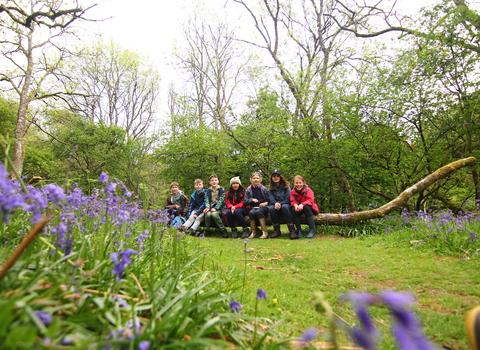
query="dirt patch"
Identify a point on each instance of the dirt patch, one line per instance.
(364, 278)
(330, 237)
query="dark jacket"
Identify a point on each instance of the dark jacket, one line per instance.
(279, 195)
(305, 197)
(249, 196)
(183, 200)
(220, 202)
(197, 202)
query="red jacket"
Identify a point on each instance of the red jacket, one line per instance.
(237, 204)
(305, 197)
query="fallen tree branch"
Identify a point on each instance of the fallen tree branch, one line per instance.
(399, 202)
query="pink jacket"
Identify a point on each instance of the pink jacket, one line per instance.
(305, 197)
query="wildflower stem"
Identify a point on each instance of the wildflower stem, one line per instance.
(51, 246)
(26, 241)
(5, 143)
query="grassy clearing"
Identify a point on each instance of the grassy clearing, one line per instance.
(445, 287)
(106, 274)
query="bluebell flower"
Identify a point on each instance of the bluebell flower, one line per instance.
(144, 345)
(406, 328)
(309, 335)
(366, 335)
(261, 295)
(44, 317)
(121, 261)
(235, 306)
(103, 178)
(55, 193)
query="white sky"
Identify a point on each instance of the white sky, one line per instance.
(151, 27)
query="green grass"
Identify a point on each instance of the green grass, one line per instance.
(74, 287)
(445, 287)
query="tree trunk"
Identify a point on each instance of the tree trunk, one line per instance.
(19, 147)
(399, 202)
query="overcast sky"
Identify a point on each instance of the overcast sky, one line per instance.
(151, 27)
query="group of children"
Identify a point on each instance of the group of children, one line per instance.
(256, 201)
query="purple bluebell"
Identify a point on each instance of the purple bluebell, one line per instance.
(103, 178)
(121, 261)
(366, 335)
(261, 295)
(55, 193)
(144, 345)
(44, 317)
(235, 306)
(309, 335)
(67, 341)
(406, 328)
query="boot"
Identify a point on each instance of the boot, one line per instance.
(311, 225)
(245, 232)
(291, 230)
(263, 224)
(224, 233)
(234, 232)
(253, 229)
(298, 225)
(276, 231)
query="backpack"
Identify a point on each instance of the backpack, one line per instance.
(178, 221)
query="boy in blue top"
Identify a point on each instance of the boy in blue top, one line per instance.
(214, 205)
(195, 212)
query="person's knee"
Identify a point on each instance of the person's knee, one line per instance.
(308, 210)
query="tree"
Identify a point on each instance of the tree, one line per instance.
(429, 90)
(48, 14)
(397, 203)
(113, 86)
(32, 49)
(318, 49)
(215, 67)
(461, 30)
(88, 149)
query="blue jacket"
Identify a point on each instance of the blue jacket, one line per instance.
(249, 196)
(197, 202)
(221, 199)
(279, 195)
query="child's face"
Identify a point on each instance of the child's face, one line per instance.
(199, 186)
(213, 182)
(255, 180)
(174, 188)
(235, 186)
(276, 178)
(298, 184)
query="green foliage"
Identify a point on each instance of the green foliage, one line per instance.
(8, 116)
(196, 152)
(88, 149)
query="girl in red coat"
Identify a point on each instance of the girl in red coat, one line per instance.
(302, 202)
(236, 207)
